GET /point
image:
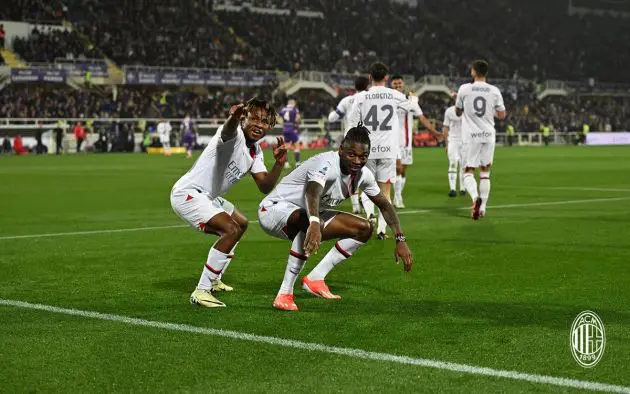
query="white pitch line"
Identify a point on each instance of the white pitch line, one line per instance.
(120, 230)
(412, 212)
(349, 352)
(593, 189)
(124, 230)
(544, 203)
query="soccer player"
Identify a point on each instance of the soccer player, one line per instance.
(405, 140)
(452, 131)
(300, 209)
(377, 109)
(164, 131)
(360, 84)
(189, 136)
(479, 102)
(197, 196)
(291, 119)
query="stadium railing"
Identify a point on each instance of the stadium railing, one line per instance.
(28, 128)
(310, 130)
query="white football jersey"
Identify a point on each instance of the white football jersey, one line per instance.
(480, 101)
(377, 109)
(164, 129)
(222, 164)
(324, 169)
(454, 124)
(344, 106)
(405, 118)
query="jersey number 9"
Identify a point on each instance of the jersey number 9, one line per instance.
(479, 105)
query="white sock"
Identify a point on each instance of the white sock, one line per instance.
(484, 189)
(212, 269)
(471, 185)
(403, 182)
(398, 188)
(368, 205)
(381, 226)
(294, 264)
(229, 257)
(452, 174)
(355, 203)
(343, 249)
(461, 177)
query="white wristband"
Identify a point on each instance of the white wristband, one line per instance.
(313, 219)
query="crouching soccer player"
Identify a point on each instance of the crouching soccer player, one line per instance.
(196, 197)
(299, 209)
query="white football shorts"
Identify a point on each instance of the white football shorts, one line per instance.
(273, 217)
(477, 154)
(384, 170)
(405, 155)
(455, 150)
(196, 208)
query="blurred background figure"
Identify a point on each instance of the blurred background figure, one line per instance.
(189, 137)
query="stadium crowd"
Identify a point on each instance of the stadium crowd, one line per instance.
(526, 115)
(426, 39)
(44, 46)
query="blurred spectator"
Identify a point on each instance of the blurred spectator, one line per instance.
(47, 45)
(18, 146)
(79, 135)
(2, 36)
(6, 146)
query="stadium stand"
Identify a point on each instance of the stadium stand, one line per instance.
(427, 39)
(45, 46)
(303, 35)
(161, 33)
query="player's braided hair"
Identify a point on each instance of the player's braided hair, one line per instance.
(359, 134)
(255, 102)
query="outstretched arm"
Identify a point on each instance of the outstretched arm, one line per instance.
(229, 128)
(266, 181)
(391, 218)
(430, 127)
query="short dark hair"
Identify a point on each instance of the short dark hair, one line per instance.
(378, 71)
(361, 83)
(359, 134)
(480, 67)
(397, 76)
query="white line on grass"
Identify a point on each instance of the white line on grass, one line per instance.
(593, 189)
(120, 230)
(349, 352)
(544, 203)
(124, 230)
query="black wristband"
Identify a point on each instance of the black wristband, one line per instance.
(400, 237)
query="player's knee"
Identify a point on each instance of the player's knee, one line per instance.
(231, 229)
(364, 230)
(242, 222)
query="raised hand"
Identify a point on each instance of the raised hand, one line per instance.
(280, 151)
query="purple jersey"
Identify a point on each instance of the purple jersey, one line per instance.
(189, 136)
(289, 116)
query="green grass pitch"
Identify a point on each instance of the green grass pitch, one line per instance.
(500, 293)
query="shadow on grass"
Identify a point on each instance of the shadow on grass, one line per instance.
(380, 303)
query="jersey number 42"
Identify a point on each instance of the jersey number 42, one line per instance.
(371, 118)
